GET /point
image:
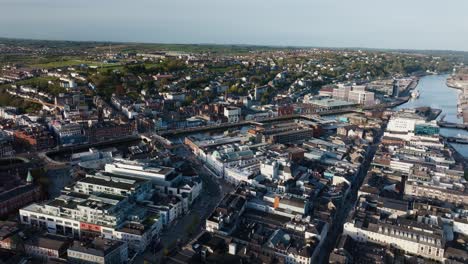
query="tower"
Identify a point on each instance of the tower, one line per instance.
(396, 88)
(29, 177)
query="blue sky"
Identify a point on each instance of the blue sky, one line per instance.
(412, 24)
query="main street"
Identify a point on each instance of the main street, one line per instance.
(190, 225)
(350, 200)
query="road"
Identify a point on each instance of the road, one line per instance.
(213, 191)
(337, 227)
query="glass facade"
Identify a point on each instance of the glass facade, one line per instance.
(424, 129)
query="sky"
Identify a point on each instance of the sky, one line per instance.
(395, 24)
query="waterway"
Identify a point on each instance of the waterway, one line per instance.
(435, 93)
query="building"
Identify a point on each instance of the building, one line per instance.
(165, 180)
(261, 228)
(355, 93)
(100, 131)
(232, 113)
(285, 110)
(436, 192)
(413, 237)
(288, 136)
(108, 210)
(260, 91)
(99, 251)
(342, 92)
(14, 199)
(326, 92)
(361, 97)
(47, 246)
(68, 133)
(225, 218)
(327, 104)
(174, 96)
(68, 83)
(6, 148)
(159, 175)
(35, 138)
(137, 188)
(405, 121)
(17, 191)
(284, 133)
(9, 235)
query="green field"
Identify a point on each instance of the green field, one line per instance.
(43, 84)
(65, 63)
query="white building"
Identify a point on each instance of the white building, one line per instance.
(414, 238)
(165, 180)
(67, 83)
(232, 113)
(137, 188)
(342, 92)
(159, 175)
(174, 96)
(98, 205)
(361, 97)
(275, 170)
(404, 121)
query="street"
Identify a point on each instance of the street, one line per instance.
(337, 227)
(178, 234)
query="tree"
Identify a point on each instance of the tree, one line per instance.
(265, 98)
(255, 79)
(233, 89)
(188, 100)
(119, 89)
(175, 65)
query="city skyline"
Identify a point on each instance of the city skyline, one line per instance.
(360, 24)
(249, 131)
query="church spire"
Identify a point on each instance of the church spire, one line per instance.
(29, 178)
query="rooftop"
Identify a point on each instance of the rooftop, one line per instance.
(97, 247)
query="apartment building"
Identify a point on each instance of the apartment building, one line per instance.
(413, 237)
(95, 208)
(437, 192)
(361, 97)
(232, 113)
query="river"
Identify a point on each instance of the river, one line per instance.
(435, 93)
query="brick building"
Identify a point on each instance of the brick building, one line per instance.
(36, 138)
(109, 130)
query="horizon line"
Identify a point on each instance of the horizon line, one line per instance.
(233, 44)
